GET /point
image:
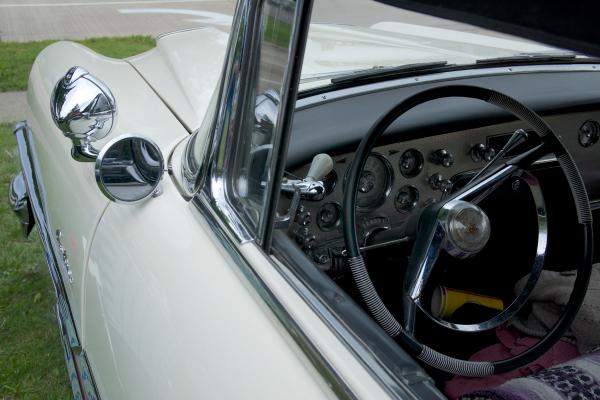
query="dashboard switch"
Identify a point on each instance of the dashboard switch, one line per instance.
(442, 157)
(589, 133)
(481, 152)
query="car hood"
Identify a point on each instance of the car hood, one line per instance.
(184, 69)
(185, 66)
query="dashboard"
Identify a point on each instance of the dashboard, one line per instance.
(402, 177)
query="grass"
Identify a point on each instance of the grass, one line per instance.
(277, 32)
(31, 358)
(16, 58)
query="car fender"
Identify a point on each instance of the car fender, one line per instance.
(71, 199)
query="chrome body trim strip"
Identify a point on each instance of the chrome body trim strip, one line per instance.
(75, 357)
(325, 369)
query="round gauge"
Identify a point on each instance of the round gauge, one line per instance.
(328, 216)
(407, 198)
(589, 133)
(375, 182)
(411, 163)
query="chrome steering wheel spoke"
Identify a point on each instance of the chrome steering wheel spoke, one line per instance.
(426, 250)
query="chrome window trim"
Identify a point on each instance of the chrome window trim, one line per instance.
(326, 370)
(387, 375)
(211, 199)
(329, 94)
(217, 148)
(212, 180)
(75, 356)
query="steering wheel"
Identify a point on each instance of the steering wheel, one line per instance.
(456, 224)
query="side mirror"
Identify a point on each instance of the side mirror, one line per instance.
(84, 109)
(129, 169)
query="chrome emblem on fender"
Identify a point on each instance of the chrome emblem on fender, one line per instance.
(63, 254)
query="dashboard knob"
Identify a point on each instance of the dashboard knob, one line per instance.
(306, 238)
(310, 243)
(589, 133)
(437, 182)
(303, 218)
(481, 152)
(442, 157)
(322, 164)
(321, 258)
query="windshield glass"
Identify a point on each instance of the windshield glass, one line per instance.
(353, 35)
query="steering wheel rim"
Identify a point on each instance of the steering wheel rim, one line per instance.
(551, 143)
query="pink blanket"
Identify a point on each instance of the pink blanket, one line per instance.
(511, 343)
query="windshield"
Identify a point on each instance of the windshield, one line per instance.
(356, 35)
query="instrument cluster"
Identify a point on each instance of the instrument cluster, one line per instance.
(398, 180)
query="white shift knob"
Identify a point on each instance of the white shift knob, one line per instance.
(321, 165)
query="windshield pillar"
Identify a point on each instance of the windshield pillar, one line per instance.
(237, 170)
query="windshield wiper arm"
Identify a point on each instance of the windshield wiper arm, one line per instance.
(528, 58)
(379, 73)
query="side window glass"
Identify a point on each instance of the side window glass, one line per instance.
(251, 170)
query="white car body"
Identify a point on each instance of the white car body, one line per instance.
(165, 304)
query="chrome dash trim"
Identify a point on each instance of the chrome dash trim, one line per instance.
(75, 357)
(229, 242)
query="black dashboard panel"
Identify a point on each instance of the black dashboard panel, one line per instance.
(337, 120)
(427, 150)
(335, 123)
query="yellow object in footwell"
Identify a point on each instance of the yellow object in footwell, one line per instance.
(445, 301)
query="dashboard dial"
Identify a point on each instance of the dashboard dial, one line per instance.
(407, 198)
(375, 182)
(411, 163)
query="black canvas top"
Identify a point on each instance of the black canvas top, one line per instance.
(573, 25)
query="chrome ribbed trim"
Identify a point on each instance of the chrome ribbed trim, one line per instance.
(455, 365)
(584, 211)
(374, 303)
(508, 104)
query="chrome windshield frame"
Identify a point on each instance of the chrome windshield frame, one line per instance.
(210, 179)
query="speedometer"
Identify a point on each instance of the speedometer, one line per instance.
(375, 182)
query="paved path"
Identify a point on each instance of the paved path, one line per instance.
(12, 106)
(25, 20)
(72, 19)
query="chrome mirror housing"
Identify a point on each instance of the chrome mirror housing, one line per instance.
(129, 169)
(84, 109)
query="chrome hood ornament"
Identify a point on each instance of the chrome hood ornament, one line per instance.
(84, 109)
